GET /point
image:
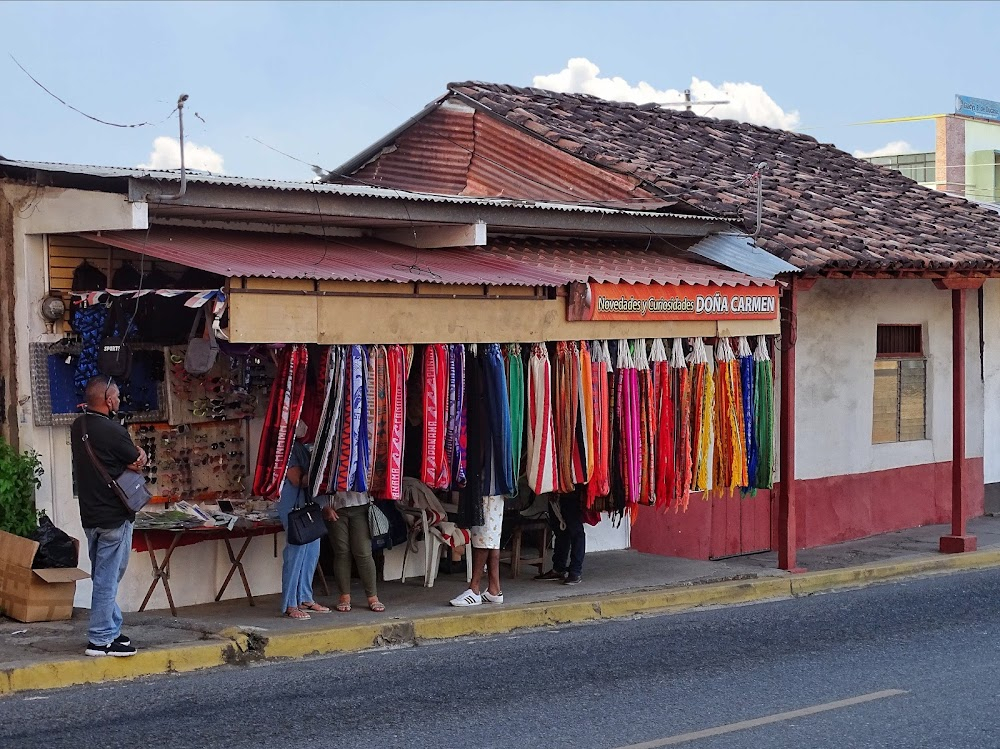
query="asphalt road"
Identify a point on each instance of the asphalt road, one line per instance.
(608, 685)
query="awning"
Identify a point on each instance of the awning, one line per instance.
(504, 262)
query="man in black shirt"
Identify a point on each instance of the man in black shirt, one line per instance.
(106, 520)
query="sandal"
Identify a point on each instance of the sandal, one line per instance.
(377, 606)
(344, 607)
(313, 606)
(297, 614)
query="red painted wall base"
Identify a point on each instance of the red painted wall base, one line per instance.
(829, 510)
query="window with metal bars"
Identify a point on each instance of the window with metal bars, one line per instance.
(900, 399)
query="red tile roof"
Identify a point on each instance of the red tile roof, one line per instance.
(505, 262)
(823, 209)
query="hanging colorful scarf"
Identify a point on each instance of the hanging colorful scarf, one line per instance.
(451, 408)
(680, 386)
(396, 410)
(379, 419)
(745, 356)
(458, 452)
(326, 471)
(435, 470)
(283, 410)
(542, 470)
(663, 427)
(320, 454)
(583, 458)
(358, 481)
(729, 453)
(341, 470)
(647, 413)
(515, 391)
(629, 427)
(702, 396)
(599, 485)
(763, 411)
(566, 413)
(498, 479)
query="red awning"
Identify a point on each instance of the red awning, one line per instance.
(510, 262)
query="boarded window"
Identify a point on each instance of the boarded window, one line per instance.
(899, 413)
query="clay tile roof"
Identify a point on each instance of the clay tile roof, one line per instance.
(823, 208)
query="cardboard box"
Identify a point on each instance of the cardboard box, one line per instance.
(34, 595)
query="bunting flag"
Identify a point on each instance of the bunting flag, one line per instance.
(763, 412)
(435, 471)
(542, 471)
(729, 453)
(515, 392)
(663, 427)
(396, 407)
(628, 422)
(283, 410)
(702, 397)
(600, 485)
(680, 385)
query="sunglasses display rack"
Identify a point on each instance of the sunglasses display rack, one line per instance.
(235, 388)
(194, 462)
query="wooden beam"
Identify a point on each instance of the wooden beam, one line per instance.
(957, 282)
(429, 237)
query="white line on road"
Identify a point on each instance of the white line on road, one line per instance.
(777, 717)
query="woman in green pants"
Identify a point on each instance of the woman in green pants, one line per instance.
(352, 539)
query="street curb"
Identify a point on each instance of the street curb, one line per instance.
(239, 647)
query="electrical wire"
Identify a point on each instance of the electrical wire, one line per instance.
(81, 112)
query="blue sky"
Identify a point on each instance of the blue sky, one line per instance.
(322, 80)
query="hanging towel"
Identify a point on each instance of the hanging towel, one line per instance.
(647, 413)
(435, 471)
(541, 446)
(458, 453)
(663, 427)
(599, 485)
(683, 455)
(763, 407)
(583, 462)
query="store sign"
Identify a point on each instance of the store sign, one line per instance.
(657, 302)
(970, 106)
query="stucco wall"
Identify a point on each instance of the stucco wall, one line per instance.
(837, 323)
(991, 385)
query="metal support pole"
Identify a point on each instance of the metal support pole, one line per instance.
(786, 495)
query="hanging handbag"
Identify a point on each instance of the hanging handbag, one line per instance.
(305, 523)
(203, 350)
(378, 526)
(130, 487)
(114, 355)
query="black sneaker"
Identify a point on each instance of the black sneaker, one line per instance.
(122, 639)
(551, 575)
(116, 649)
(572, 579)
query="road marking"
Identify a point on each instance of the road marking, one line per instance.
(777, 717)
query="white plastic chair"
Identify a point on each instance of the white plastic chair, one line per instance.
(432, 547)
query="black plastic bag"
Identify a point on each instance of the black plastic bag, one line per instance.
(55, 547)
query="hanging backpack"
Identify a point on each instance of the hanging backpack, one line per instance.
(114, 355)
(202, 350)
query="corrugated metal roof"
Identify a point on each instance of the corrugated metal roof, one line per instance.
(388, 193)
(737, 251)
(513, 262)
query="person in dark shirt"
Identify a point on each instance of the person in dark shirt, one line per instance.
(106, 520)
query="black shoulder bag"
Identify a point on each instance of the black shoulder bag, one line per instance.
(130, 487)
(305, 523)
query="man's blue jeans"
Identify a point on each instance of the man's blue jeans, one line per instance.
(109, 553)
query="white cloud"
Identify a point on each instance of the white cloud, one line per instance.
(166, 154)
(889, 149)
(748, 102)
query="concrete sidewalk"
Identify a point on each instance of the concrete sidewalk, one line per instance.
(620, 583)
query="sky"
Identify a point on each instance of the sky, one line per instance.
(321, 81)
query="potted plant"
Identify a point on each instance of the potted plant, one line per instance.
(20, 475)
